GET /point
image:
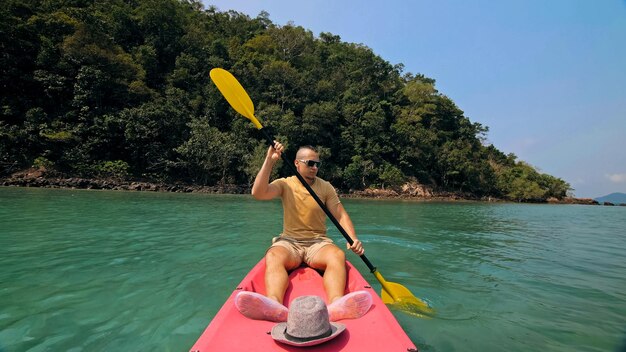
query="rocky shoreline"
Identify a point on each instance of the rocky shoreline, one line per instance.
(449, 196)
(410, 191)
(39, 178)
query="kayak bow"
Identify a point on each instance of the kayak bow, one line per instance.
(377, 330)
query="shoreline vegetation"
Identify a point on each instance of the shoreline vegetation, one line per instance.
(96, 91)
(39, 178)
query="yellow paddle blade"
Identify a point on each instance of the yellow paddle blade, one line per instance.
(234, 93)
(399, 297)
(405, 301)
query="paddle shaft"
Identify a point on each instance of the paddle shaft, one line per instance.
(332, 218)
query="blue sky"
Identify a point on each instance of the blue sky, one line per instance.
(547, 77)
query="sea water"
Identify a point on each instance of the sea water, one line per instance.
(135, 271)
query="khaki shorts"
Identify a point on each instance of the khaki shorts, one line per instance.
(303, 250)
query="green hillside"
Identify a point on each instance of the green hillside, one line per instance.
(122, 89)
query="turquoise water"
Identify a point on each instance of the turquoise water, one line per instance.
(124, 271)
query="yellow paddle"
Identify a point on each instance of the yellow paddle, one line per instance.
(392, 293)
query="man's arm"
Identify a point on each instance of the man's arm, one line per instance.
(340, 213)
(262, 189)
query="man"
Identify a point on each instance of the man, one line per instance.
(303, 240)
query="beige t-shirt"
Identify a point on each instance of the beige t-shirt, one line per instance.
(302, 216)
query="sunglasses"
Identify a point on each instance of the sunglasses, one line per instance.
(311, 163)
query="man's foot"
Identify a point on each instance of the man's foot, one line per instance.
(258, 307)
(351, 306)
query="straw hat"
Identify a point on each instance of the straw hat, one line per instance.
(307, 323)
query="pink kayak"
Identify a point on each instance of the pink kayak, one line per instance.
(377, 330)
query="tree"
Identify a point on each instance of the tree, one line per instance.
(152, 132)
(391, 176)
(209, 153)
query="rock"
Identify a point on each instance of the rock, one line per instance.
(414, 189)
(583, 201)
(376, 193)
(30, 174)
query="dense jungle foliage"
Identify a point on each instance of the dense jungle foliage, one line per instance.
(121, 88)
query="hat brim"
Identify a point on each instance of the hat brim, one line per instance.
(278, 334)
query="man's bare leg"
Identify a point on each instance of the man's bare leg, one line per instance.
(277, 261)
(332, 260)
(256, 306)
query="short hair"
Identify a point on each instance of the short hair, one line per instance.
(309, 147)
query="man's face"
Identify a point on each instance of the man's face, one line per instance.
(303, 159)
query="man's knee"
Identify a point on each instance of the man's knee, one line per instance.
(338, 262)
(339, 256)
(275, 255)
(278, 256)
(330, 256)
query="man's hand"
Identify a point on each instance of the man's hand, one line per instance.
(274, 152)
(357, 247)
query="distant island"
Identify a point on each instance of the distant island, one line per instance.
(613, 198)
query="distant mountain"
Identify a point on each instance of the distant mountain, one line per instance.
(615, 198)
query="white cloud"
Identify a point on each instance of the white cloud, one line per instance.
(616, 178)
